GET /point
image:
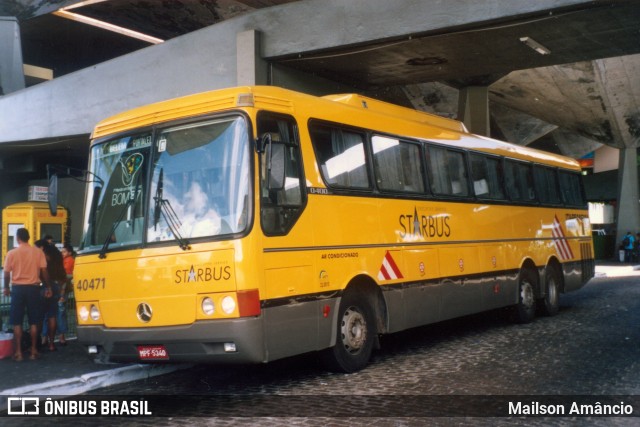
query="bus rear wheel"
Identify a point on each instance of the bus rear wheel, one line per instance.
(356, 335)
(525, 309)
(550, 304)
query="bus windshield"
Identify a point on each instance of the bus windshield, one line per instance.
(187, 182)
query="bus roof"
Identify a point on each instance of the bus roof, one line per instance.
(352, 107)
(394, 110)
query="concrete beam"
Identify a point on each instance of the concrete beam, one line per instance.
(628, 208)
(434, 97)
(351, 22)
(617, 79)
(518, 127)
(11, 75)
(473, 109)
(251, 69)
(573, 145)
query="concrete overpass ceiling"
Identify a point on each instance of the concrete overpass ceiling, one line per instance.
(486, 51)
(29, 159)
(565, 95)
(169, 19)
(64, 45)
(561, 85)
(558, 85)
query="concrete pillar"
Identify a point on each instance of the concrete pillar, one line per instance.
(617, 80)
(11, 73)
(251, 68)
(473, 109)
(628, 195)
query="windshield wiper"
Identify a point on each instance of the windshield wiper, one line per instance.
(163, 207)
(94, 213)
(125, 208)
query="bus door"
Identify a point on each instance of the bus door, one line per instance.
(291, 322)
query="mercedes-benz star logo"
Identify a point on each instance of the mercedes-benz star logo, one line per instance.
(144, 312)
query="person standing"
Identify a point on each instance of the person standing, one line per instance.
(58, 277)
(68, 260)
(628, 243)
(25, 268)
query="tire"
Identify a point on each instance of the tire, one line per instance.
(525, 309)
(550, 304)
(356, 332)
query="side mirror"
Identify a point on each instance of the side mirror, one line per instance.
(52, 194)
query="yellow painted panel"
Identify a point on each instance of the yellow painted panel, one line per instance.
(289, 281)
(167, 310)
(458, 260)
(121, 283)
(421, 264)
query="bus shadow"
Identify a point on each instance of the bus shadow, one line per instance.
(476, 326)
(429, 335)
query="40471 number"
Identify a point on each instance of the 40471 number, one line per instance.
(91, 284)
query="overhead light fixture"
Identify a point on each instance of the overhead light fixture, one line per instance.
(64, 13)
(82, 3)
(535, 45)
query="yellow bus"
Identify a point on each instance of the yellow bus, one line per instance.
(251, 224)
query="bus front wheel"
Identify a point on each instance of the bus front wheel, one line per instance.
(525, 309)
(356, 335)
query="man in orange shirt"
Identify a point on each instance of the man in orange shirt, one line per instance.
(25, 268)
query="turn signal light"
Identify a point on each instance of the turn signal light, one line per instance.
(249, 303)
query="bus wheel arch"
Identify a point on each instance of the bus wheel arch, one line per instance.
(368, 288)
(549, 304)
(359, 321)
(528, 290)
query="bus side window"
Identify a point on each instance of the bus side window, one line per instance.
(486, 175)
(546, 182)
(510, 178)
(571, 187)
(447, 172)
(341, 156)
(281, 205)
(397, 165)
(519, 179)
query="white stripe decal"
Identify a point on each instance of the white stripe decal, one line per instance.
(389, 269)
(560, 241)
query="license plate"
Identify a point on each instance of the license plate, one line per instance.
(153, 352)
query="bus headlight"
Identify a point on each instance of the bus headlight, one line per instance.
(94, 312)
(83, 313)
(228, 305)
(208, 307)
